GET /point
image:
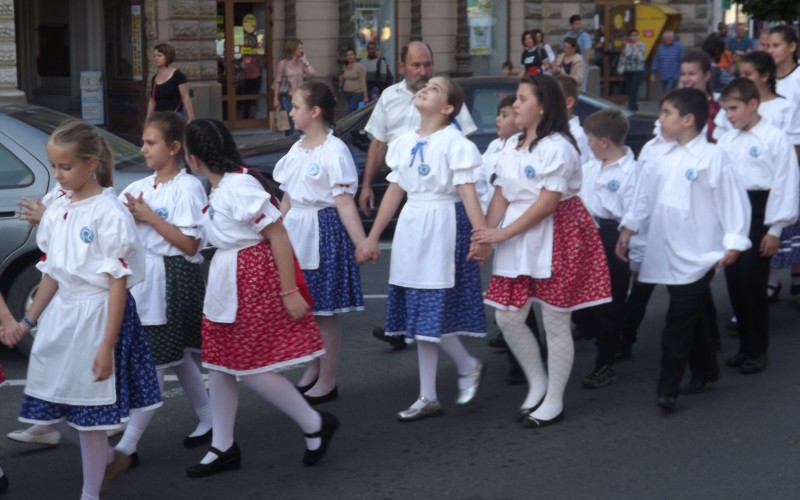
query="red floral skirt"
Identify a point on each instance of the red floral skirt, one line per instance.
(263, 337)
(2, 375)
(579, 276)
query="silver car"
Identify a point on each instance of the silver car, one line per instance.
(25, 171)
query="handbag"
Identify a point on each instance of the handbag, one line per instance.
(279, 120)
(621, 65)
(284, 86)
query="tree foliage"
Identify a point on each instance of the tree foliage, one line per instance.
(771, 10)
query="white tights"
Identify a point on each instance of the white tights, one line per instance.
(428, 355)
(95, 455)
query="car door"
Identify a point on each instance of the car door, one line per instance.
(21, 174)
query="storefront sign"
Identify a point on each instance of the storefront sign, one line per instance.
(136, 42)
(92, 104)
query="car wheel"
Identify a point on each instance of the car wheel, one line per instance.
(19, 300)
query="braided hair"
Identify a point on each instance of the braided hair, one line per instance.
(212, 142)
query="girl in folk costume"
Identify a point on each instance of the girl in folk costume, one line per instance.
(90, 366)
(168, 209)
(434, 292)
(255, 319)
(319, 179)
(548, 249)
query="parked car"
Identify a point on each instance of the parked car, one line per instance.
(481, 96)
(25, 171)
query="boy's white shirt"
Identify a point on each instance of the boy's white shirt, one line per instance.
(766, 161)
(695, 208)
(607, 191)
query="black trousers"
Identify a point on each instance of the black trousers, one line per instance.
(605, 320)
(747, 285)
(634, 311)
(686, 336)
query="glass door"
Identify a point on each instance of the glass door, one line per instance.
(243, 61)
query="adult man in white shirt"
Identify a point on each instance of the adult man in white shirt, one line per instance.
(394, 115)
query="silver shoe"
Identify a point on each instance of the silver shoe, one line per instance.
(429, 409)
(49, 439)
(467, 396)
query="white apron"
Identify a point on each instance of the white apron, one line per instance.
(526, 254)
(302, 225)
(151, 294)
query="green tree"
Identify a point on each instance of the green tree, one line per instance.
(771, 10)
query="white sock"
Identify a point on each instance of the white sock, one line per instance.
(138, 424)
(523, 344)
(278, 391)
(428, 356)
(194, 387)
(560, 355)
(224, 396)
(465, 363)
(93, 457)
(67, 432)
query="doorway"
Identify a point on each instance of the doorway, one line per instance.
(244, 62)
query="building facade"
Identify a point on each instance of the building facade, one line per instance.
(229, 49)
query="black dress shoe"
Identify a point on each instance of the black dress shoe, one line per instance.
(329, 426)
(396, 341)
(498, 342)
(195, 441)
(535, 423)
(735, 361)
(3, 483)
(522, 413)
(666, 403)
(754, 365)
(231, 459)
(304, 388)
(315, 400)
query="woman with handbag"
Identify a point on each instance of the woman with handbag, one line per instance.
(631, 66)
(169, 89)
(292, 70)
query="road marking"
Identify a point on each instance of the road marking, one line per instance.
(376, 296)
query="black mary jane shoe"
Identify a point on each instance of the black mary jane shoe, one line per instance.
(329, 426)
(302, 389)
(535, 423)
(3, 483)
(523, 413)
(315, 400)
(231, 459)
(195, 441)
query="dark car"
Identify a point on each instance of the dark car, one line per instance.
(481, 96)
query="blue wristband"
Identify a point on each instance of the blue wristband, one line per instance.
(27, 321)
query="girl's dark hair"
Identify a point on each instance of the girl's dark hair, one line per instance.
(212, 142)
(318, 93)
(506, 102)
(87, 143)
(764, 64)
(455, 96)
(789, 36)
(170, 124)
(526, 33)
(554, 119)
(703, 61)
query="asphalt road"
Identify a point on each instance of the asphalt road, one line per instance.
(739, 439)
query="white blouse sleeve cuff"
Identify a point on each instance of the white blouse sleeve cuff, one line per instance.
(465, 176)
(733, 241)
(268, 215)
(116, 268)
(776, 229)
(556, 184)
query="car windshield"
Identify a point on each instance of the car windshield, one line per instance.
(351, 120)
(45, 120)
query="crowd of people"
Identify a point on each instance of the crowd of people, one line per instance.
(565, 213)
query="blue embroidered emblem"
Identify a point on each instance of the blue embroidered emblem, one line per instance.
(530, 172)
(613, 185)
(754, 152)
(87, 235)
(424, 169)
(691, 174)
(162, 212)
(313, 169)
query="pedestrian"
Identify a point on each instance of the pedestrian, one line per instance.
(609, 180)
(434, 280)
(714, 46)
(570, 62)
(583, 43)
(90, 366)
(548, 249)
(393, 115)
(292, 70)
(698, 215)
(379, 76)
(783, 43)
(507, 69)
(536, 55)
(354, 81)
(169, 88)
(319, 180)
(168, 209)
(741, 44)
(632, 64)
(767, 166)
(667, 62)
(255, 318)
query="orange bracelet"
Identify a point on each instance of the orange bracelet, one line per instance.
(289, 292)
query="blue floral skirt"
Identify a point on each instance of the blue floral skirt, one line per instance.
(430, 314)
(335, 285)
(136, 381)
(789, 251)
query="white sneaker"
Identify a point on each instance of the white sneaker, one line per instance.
(49, 439)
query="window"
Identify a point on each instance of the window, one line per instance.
(484, 109)
(13, 173)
